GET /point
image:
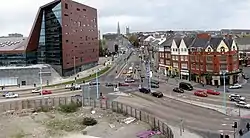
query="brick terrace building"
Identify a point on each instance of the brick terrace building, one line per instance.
(64, 35)
(209, 56)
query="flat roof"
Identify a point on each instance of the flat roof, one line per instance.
(25, 67)
(13, 43)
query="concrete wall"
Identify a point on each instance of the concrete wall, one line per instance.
(29, 75)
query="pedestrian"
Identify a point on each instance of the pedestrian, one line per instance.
(218, 86)
(2, 87)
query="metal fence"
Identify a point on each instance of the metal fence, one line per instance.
(115, 106)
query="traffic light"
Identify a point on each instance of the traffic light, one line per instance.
(248, 126)
(235, 125)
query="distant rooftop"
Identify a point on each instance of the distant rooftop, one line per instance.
(12, 43)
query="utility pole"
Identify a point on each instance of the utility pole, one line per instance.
(97, 85)
(75, 67)
(41, 81)
(224, 91)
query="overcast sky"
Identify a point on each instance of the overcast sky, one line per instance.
(140, 15)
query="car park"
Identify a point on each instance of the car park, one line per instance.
(178, 90)
(36, 90)
(200, 93)
(236, 98)
(46, 92)
(212, 92)
(123, 84)
(11, 95)
(144, 90)
(186, 86)
(157, 94)
(235, 86)
(242, 104)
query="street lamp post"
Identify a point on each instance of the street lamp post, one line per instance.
(97, 85)
(224, 91)
(41, 81)
(75, 67)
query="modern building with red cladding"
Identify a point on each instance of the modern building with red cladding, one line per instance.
(64, 35)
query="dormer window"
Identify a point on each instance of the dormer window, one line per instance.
(209, 49)
(222, 49)
(234, 48)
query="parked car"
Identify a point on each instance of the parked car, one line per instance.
(109, 84)
(45, 92)
(144, 90)
(200, 93)
(4, 93)
(123, 84)
(36, 90)
(178, 90)
(186, 86)
(94, 83)
(212, 92)
(75, 87)
(129, 80)
(154, 85)
(242, 104)
(68, 86)
(236, 98)
(235, 86)
(154, 82)
(11, 95)
(157, 94)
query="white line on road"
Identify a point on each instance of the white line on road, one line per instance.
(121, 71)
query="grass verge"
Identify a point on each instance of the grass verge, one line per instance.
(90, 77)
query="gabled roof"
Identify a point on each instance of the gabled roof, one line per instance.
(168, 41)
(215, 41)
(177, 41)
(162, 41)
(149, 38)
(228, 42)
(188, 41)
(13, 43)
(200, 42)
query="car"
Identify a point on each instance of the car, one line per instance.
(242, 104)
(45, 92)
(212, 92)
(129, 80)
(186, 86)
(154, 82)
(144, 90)
(109, 84)
(236, 98)
(36, 90)
(178, 90)
(123, 84)
(75, 87)
(235, 86)
(154, 85)
(157, 94)
(4, 93)
(94, 83)
(200, 93)
(11, 95)
(68, 86)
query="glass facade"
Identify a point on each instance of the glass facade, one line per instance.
(12, 59)
(50, 41)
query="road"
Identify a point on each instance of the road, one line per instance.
(204, 121)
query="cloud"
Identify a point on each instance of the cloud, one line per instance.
(140, 15)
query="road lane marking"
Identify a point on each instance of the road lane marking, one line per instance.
(121, 71)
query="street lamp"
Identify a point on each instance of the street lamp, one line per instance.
(41, 81)
(97, 85)
(224, 90)
(75, 67)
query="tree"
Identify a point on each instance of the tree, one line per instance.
(101, 49)
(133, 39)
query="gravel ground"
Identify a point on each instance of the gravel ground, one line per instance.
(53, 124)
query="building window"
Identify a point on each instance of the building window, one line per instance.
(209, 67)
(184, 65)
(222, 49)
(175, 65)
(209, 49)
(234, 48)
(84, 9)
(79, 23)
(66, 15)
(66, 6)
(67, 41)
(78, 9)
(182, 58)
(223, 66)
